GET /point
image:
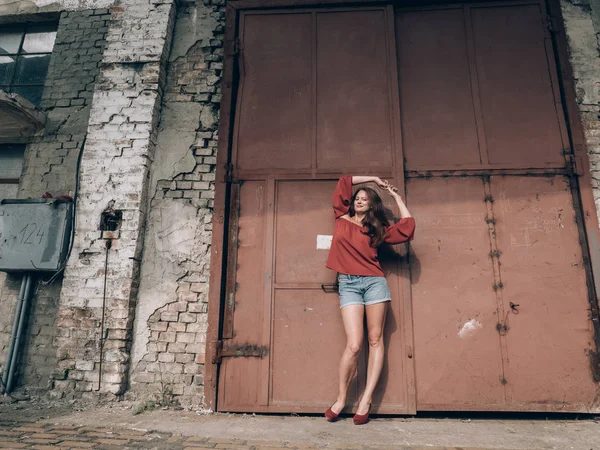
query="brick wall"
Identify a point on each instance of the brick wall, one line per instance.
(582, 23)
(171, 318)
(49, 166)
(121, 137)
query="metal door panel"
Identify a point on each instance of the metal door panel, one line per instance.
(241, 379)
(354, 106)
(457, 351)
(302, 325)
(238, 387)
(280, 263)
(395, 387)
(517, 98)
(471, 256)
(438, 120)
(304, 222)
(548, 331)
(308, 341)
(275, 105)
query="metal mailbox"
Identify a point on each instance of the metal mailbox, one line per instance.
(34, 234)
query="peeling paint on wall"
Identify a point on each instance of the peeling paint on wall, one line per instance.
(176, 135)
(469, 328)
(171, 318)
(172, 250)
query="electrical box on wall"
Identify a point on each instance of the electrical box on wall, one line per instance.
(34, 234)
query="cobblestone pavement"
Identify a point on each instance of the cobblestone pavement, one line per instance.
(17, 435)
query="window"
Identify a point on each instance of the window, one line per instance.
(24, 57)
(11, 164)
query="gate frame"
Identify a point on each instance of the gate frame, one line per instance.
(585, 205)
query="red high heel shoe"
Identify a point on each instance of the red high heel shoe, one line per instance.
(361, 419)
(331, 416)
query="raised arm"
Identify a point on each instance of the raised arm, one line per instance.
(404, 212)
(368, 179)
(404, 230)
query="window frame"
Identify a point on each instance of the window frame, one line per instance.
(25, 27)
(23, 148)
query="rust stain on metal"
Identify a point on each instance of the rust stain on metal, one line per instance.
(244, 351)
(502, 328)
(232, 254)
(495, 253)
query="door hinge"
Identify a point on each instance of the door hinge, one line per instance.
(576, 164)
(232, 48)
(553, 24)
(238, 351)
(595, 363)
(228, 173)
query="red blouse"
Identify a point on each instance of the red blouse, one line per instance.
(351, 252)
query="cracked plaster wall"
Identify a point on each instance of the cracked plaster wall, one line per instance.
(582, 23)
(171, 316)
(49, 166)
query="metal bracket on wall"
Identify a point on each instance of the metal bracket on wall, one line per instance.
(238, 351)
(237, 46)
(330, 287)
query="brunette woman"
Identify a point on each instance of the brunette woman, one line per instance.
(360, 227)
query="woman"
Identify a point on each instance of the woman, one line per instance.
(360, 227)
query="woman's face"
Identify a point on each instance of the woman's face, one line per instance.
(361, 202)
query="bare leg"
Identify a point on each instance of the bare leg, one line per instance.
(353, 317)
(375, 322)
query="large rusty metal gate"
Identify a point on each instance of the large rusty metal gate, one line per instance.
(460, 106)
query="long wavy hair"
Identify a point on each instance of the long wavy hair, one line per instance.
(375, 220)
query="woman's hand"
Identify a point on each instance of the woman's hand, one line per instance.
(381, 183)
(393, 191)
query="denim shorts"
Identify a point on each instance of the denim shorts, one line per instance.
(360, 290)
